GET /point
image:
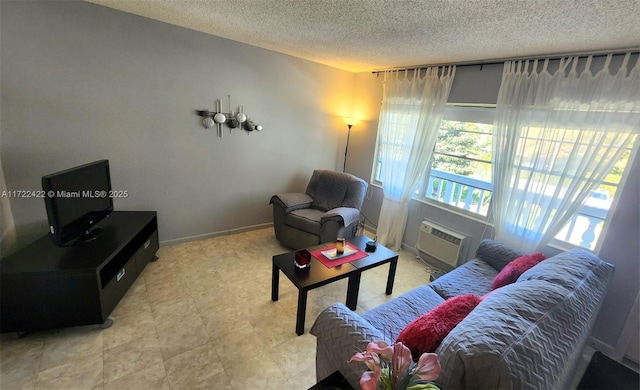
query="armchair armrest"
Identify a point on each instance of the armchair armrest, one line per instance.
(341, 333)
(347, 214)
(291, 201)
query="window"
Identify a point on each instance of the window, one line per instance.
(461, 166)
(461, 163)
(460, 176)
(585, 227)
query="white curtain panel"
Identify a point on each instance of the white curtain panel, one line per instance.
(7, 227)
(412, 107)
(556, 137)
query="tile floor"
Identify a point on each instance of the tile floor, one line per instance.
(201, 317)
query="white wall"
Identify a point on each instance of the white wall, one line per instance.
(81, 82)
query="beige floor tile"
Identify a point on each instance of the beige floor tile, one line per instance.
(241, 345)
(257, 373)
(167, 290)
(172, 312)
(82, 373)
(181, 338)
(128, 328)
(25, 383)
(274, 326)
(303, 379)
(224, 320)
(70, 344)
(293, 358)
(19, 358)
(198, 368)
(152, 378)
(130, 357)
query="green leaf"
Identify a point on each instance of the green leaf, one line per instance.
(422, 386)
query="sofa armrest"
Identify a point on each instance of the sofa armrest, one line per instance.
(348, 215)
(341, 333)
(291, 201)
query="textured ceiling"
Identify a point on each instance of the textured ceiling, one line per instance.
(365, 35)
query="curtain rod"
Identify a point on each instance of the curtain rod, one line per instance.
(600, 53)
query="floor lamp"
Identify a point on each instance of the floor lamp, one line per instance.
(349, 121)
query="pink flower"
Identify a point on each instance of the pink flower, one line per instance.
(369, 379)
(381, 348)
(370, 359)
(401, 358)
(428, 367)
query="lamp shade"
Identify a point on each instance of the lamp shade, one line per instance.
(350, 121)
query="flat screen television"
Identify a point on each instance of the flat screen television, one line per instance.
(76, 199)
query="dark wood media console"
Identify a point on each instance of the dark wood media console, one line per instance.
(45, 286)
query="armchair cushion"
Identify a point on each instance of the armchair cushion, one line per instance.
(307, 220)
(327, 188)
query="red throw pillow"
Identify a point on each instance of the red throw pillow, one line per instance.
(512, 271)
(425, 333)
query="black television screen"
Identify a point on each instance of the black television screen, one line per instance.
(76, 199)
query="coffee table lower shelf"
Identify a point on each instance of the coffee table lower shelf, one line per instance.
(318, 275)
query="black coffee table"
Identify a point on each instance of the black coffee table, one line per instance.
(318, 274)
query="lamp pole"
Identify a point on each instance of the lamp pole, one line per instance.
(346, 149)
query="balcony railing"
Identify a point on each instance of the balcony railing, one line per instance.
(474, 196)
(459, 191)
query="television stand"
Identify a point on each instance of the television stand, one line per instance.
(87, 236)
(45, 286)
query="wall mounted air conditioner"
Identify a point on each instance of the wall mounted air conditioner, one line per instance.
(441, 243)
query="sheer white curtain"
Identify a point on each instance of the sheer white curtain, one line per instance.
(412, 108)
(557, 134)
(7, 227)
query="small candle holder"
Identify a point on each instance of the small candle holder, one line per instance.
(340, 246)
(302, 259)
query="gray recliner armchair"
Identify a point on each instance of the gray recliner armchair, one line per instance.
(330, 208)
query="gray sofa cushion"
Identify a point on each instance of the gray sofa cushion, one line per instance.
(474, 277)
(394, 315)
(567, 269)
(497, 254)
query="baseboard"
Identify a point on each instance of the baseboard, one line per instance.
(215, 234)
(370, 228)
(601, 346)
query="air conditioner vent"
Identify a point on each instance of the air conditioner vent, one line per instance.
(447, 237)
(440, 243)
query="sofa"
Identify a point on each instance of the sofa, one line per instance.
(328, 209)
(526, 335)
